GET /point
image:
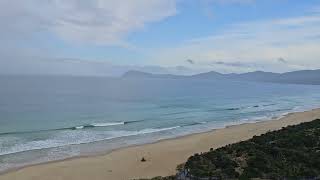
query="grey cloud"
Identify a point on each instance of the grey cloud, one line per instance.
(282, 60)
(190, 61)
(233, 64)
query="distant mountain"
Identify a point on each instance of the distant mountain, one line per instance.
(140, 74)
(300, 77)
(209, 75)
(295, 77)
(256, 76)
(137, 74)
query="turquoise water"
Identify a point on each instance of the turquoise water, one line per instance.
(51, 118)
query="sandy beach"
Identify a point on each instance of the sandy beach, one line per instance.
(161, 157)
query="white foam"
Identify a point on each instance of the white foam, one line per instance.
(107, 124)
(75, 137)
(151, 130)
(79, 127)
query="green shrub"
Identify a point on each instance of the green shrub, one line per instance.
(290, 153)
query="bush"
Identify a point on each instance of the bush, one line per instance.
(290, 153)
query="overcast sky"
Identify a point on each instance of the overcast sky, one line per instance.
(109, 37)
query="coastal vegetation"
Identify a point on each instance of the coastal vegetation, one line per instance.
(290, 153)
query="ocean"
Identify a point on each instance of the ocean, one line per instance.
(47, 118)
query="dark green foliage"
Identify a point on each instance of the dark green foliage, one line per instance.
(162, 178)
(292, 152)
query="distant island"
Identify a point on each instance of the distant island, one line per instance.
(292, 152)
(311, 77)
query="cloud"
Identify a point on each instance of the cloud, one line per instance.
(233, 64)
(282, 60)
(190, 61)
(258, 44)
(95, 21)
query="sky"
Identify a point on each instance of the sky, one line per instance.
(110, 37)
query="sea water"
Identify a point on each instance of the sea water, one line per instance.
(46, 118)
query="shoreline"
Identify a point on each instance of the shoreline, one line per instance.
(106, 152)
(162, 156)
